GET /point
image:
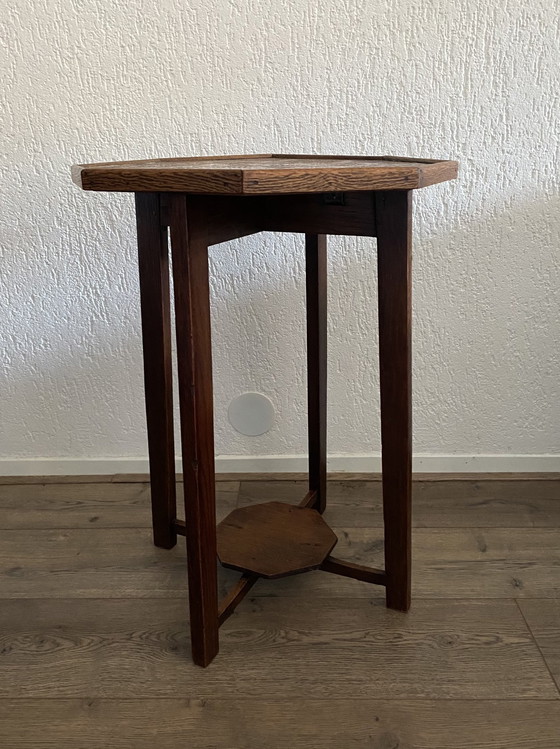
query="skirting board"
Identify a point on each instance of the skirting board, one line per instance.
(285, 464)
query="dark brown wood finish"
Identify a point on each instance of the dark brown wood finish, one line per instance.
(206, 201)
(274, 539)
(316, 308)
(261, 175)
(308, 500)
(194, 358)
(180, 527)
(222, 218)
(153, 264)
(236, 595)
(348, 213)
(394, 247)
(355, 571)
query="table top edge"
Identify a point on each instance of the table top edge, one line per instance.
(130, 176)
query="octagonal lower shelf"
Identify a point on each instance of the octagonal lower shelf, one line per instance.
(274, 539)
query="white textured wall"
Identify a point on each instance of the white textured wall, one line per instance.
(106, 80)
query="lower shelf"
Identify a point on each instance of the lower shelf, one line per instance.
(274, 539)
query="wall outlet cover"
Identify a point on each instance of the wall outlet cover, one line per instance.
(251, 414)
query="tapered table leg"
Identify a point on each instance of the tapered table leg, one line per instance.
(394, 235)
(316, 308)
(156, 336)
(194, 359)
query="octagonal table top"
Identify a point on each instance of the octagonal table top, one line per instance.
(264, 174)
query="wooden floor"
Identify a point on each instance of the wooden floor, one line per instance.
(94, 649)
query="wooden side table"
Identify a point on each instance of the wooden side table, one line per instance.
(204, 201)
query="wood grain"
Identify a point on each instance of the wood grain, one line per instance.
(543, 618)
(129, 478)
(354, 571)
(312, 660)
(121, 649)
(481, 488)
(393, 212)
(473, 563)
(233, 723)
(315, 213)
(452, 562)
(435, 504)
(194, 370)
(235, 595)
(105, 505)
(460, 562)
(261, 175)
(274, 539)
(153, 266)
(220, 218)
(384, 176)
(89, 562)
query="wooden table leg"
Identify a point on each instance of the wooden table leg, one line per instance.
(394, 244)
(156, 337)
(316, 308)
(194, 360)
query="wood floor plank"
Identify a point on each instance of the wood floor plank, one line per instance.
(470, 562)
(543, 618)
(128, 478)
(91, 562)
(101, 505)
(253, 492)
(93, 617)
(488, 489)
(448, 563)
(351, 503)
(279, 723)
(109, 648)
(433, 489)
(436, 504)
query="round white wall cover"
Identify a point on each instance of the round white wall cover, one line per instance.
(251, 414)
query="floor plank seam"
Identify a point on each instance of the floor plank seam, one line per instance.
(442, 528)
(556, 686)
(334, 476)
(264, 700)
(107, 640)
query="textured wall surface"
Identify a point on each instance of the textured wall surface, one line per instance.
(105, 80)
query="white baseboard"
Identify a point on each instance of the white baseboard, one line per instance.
(286, 464)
